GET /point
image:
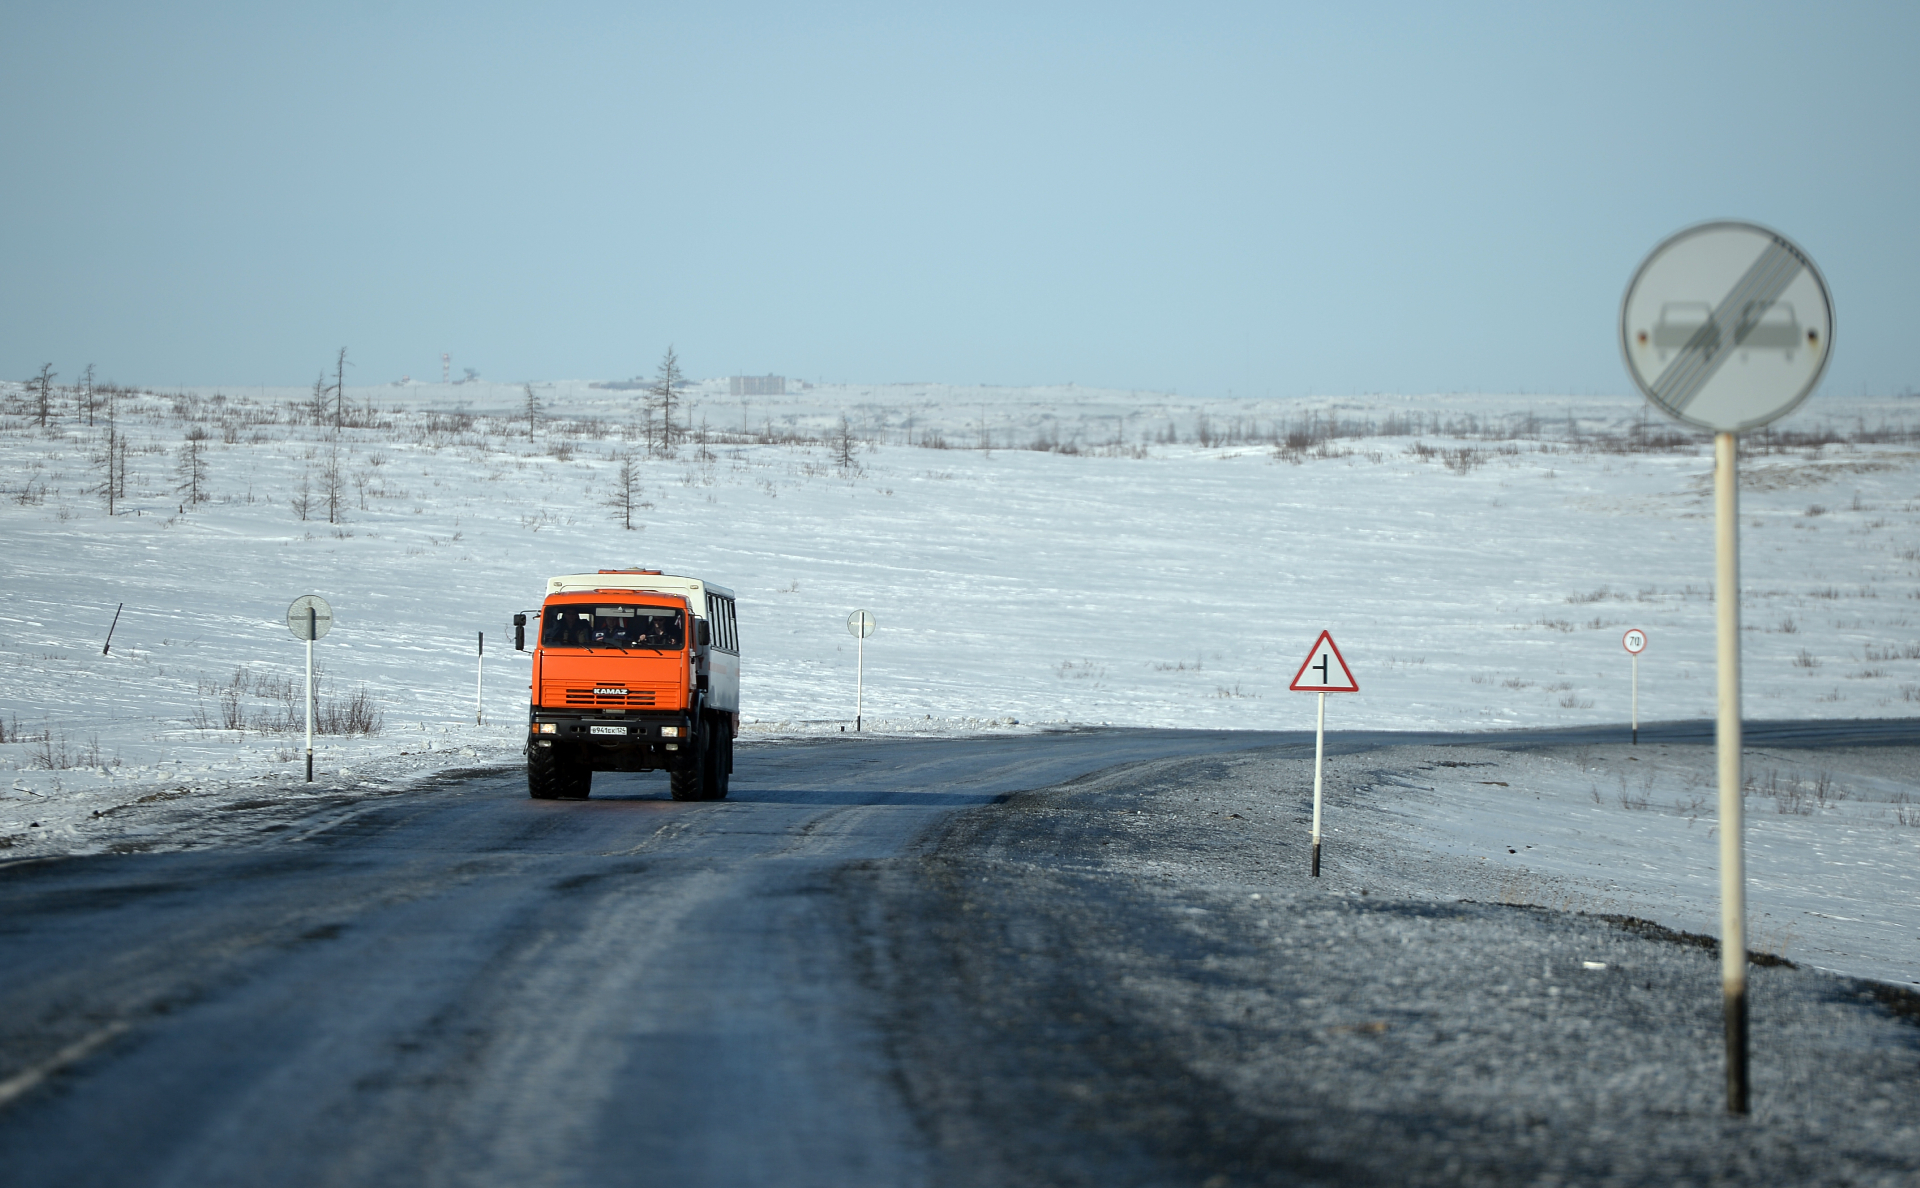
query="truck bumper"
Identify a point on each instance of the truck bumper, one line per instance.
(624, 742)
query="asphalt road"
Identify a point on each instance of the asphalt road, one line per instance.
(467, 986)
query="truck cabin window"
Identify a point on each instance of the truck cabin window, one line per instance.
(659, 628)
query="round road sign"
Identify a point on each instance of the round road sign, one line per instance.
(297, 616)
(860, 623)
(1635, 641)
(1727, 326)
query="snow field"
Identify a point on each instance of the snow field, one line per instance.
(1832, 840)
(1476, 557)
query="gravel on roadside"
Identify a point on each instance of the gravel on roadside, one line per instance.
(1130, 979)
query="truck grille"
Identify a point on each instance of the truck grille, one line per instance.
(590, 696)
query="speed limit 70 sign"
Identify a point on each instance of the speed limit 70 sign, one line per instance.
(1635, 641)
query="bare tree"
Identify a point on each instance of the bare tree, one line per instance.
(843, 444)
(333, 484)
(625, 500)
(533, 411)
(302, 501)
(663, 394)
(340, 388)
(112, 460)
(42, 388)
(192, 470)
(646, 426)
(317, 402)
(84, 395)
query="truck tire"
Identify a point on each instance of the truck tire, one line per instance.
(722, 749)
(545, 773)
(578, 779)
(690, 782)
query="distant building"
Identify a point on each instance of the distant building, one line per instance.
(757, 385)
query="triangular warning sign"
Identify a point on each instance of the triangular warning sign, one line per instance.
(1324, 670)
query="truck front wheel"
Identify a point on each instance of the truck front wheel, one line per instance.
(576, 778)
(557, 773)
(545, 772)
(694, 781)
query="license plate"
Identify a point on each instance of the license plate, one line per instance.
(606, 730)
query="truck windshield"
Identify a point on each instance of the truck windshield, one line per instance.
(594, 625)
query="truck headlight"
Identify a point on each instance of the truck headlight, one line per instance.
(545, 728)
(669, 732)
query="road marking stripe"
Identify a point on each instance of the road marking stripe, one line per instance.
(73, 1053)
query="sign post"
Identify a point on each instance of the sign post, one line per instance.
(480, 682)
(1324, 671)
(860, 624)
(309, 618)
(1728, 326)
(1635, 641)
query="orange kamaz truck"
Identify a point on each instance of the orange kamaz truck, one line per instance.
(633, 670)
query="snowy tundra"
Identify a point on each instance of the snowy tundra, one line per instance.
(1034, 556)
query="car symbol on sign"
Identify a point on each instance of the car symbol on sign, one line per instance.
(1762, 326)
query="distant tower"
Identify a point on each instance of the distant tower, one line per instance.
(446, 367)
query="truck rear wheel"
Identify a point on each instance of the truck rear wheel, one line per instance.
(720, 748)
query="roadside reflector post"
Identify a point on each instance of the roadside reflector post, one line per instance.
(309, 618)
(1727, 327)
(860, 624)
(480, 681)
(1635, 641)
(1324, 671)
(312, 622)
(108, 646)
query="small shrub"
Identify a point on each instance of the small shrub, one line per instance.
(54, 754)
(355, 715)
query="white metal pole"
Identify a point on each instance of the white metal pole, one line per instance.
(1636, 699)
(1733, 875)
(859, 679)
(1319, 759)
(312, 617)
(480, 681)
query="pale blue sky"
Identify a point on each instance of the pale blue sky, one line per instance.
(1256, 199)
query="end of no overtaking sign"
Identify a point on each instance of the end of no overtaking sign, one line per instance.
(1727, 326)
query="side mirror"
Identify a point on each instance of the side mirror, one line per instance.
(703, 634)
(519, 633)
